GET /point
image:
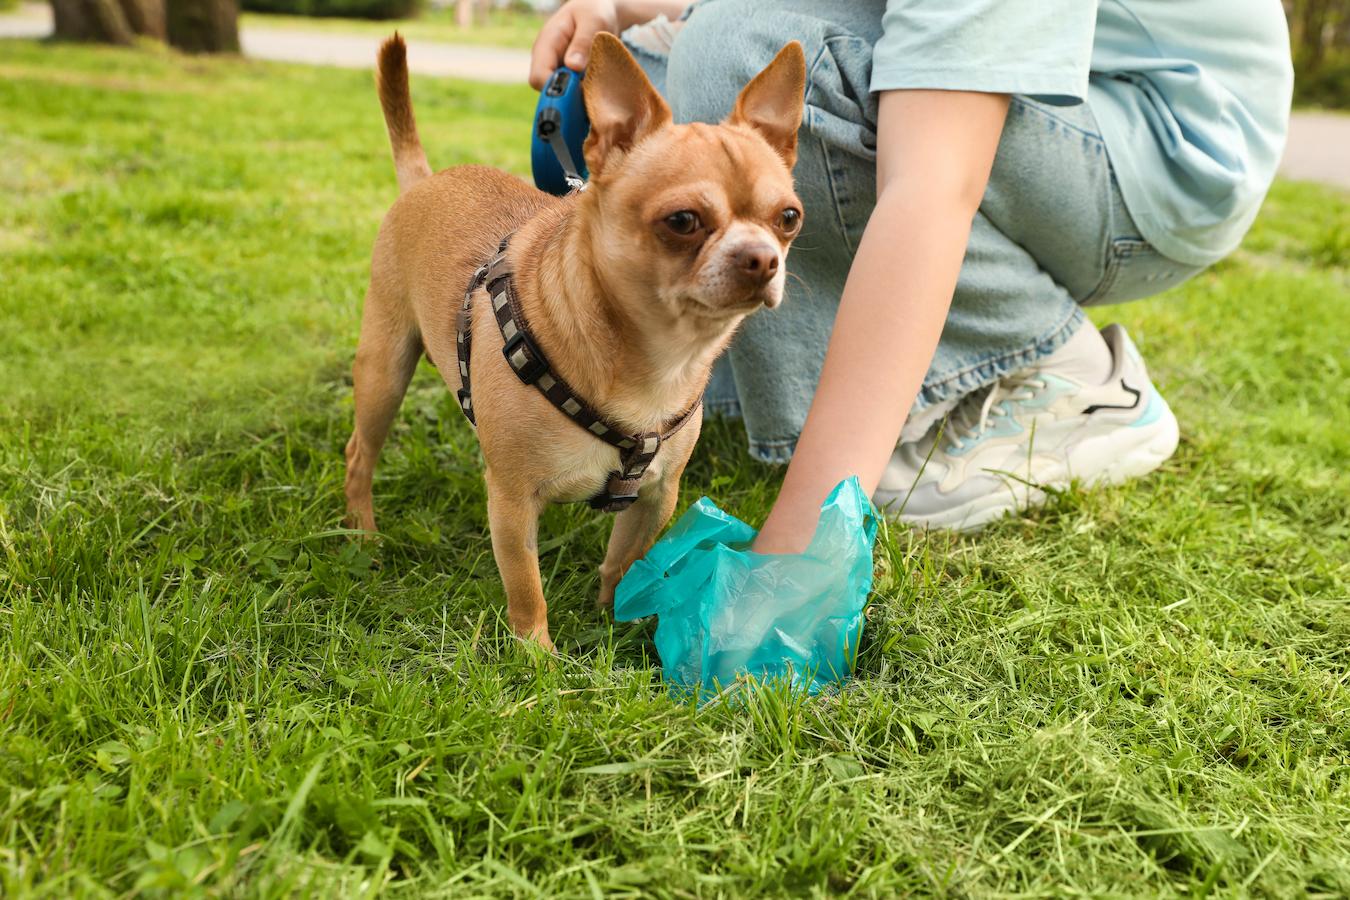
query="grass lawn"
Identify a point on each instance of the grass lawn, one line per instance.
(500, 28)
(204, 689)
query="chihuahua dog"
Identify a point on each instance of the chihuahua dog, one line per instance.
(627, 290)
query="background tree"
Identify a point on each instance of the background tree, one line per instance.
(467, 12)
(197, 26)
(204, 26)
(1319, 31)
(108, 21)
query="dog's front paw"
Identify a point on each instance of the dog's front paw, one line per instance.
(360, 520)
(533, 633)
(604, 601)
(539, 640)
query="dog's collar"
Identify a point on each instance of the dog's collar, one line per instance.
(527, 360)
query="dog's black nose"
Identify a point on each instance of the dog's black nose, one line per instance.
(757, 263)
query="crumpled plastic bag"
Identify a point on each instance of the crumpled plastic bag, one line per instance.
(724, 611)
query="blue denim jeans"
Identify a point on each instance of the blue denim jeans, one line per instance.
(1052, 234)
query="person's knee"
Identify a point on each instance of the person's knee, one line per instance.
(721, 47)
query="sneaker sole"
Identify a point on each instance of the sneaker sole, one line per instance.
(1105, 456)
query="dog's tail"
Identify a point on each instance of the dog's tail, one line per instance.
(410, 160)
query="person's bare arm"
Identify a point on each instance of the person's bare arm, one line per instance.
(934, 153)
(566, 37)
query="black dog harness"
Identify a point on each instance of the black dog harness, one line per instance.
(527, 360)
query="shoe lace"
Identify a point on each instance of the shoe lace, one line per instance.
(973, 415)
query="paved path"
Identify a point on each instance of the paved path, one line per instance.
(327, 48)
(1319, 143)
(1318, 148)
(30, 20)
(495, 64)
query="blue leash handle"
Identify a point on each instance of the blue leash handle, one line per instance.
(560, 129)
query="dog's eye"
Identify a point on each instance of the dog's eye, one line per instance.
(790, 219)
(683, 222)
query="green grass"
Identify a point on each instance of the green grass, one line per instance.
(500, 28)
(203, 689)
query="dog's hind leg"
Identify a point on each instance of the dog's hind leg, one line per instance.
(385, 360)
(513, 517)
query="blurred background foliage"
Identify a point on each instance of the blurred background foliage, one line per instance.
(1319, 31)
(354, 9)
(465, 12)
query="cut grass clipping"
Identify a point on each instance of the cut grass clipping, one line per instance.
(205, 688)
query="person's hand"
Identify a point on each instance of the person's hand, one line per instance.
(566, 37)
(789, 527)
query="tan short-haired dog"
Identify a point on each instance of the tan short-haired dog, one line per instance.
(591, 321)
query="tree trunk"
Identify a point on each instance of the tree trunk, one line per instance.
(1313, 27)
(146, 17)
(194, 26)
(204, 26)
(108, 21)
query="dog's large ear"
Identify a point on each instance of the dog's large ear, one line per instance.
(772, 102)
(622, 104)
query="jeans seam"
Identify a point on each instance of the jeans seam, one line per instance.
(775, 451)
(728, 408)
(639, 50)
(810, 110)
(1041, 110)
(835, 198)
(1110, 271)
(935, 391)
(1119, 250)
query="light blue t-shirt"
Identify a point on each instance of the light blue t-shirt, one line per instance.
(1192, 96)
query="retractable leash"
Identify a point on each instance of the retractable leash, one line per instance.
(560, 128)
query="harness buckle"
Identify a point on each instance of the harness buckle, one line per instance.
(606, 503)
(524, 358)
(619, 493)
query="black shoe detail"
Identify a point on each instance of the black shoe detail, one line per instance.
(1138, 395)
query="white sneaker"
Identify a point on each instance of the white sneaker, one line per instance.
(1004, 445)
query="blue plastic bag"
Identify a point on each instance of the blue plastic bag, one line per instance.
(725, 611)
